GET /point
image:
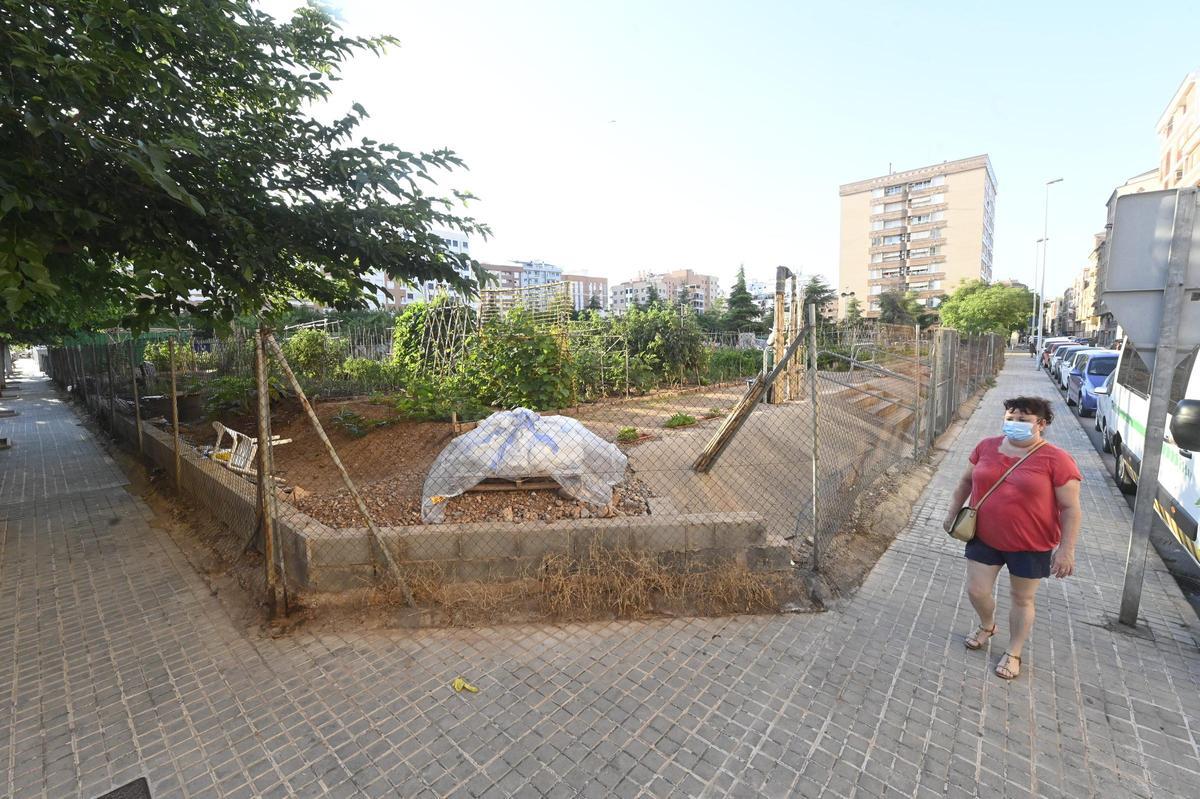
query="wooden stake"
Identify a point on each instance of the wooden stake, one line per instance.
(393, 567)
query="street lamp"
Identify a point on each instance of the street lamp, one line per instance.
(1045, 260)
(1037, 298)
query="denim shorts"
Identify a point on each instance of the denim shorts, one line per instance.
(1030, 565)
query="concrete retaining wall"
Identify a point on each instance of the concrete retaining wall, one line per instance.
(320, 558)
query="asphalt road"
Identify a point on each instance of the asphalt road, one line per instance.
(1178, 562)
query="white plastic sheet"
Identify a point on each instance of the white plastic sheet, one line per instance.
(519, 444)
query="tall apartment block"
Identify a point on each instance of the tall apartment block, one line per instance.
(924, 231)
(1179, 136)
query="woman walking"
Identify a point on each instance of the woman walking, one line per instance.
(1029, 522)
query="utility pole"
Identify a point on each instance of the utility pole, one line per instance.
(1045, 259)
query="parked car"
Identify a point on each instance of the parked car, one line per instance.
(1048, 347)
(1178, 494)
(1088, 372)
(1060, 356)
(1106, 413)
(1070, 364)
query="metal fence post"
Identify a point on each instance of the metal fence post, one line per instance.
(917, 396)
(174, 413)
(137, 401)
(812, 395)
(109, 351)
(266, 472)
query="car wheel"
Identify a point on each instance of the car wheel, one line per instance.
(1096, 426)
(1070, 402)
(1121, 473)
(1106, 443)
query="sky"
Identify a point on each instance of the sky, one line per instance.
(615, 137)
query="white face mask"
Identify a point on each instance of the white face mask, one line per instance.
(1018, 431)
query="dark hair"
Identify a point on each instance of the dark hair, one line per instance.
(1036, 405)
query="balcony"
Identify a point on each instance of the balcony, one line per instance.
(886, 215)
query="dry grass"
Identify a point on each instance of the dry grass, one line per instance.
(608, 584)
(623, 584)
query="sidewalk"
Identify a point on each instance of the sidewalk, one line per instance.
(116, 662)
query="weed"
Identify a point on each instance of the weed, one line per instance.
(628, 434)
(680, 420)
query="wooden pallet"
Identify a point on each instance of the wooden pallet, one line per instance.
(522, 484)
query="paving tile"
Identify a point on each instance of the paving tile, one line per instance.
(116, 661)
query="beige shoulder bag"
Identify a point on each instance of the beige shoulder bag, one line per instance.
(964, 522)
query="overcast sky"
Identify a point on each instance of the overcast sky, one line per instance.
(612, 137)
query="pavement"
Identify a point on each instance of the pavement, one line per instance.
(117, 662)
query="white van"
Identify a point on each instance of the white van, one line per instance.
(1178, 498)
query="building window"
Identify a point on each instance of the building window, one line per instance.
(921, 219)
(896, 239)
(920, 184)
(891, 190)
(893, 223)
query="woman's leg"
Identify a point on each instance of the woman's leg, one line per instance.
(981, 582)
(1020, 622)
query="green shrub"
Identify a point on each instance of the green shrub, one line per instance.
(628, 434)
(235, 394)
(731, 364)
(313, 353)
(680, 420)
(368, 373)
(513, 363)
(436, 400)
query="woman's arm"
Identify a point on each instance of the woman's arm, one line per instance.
(1070, 516)
(961, 492)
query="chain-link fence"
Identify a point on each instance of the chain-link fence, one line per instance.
(529, 466)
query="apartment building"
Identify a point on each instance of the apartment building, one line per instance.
(506, 276)
(1083, 293)
(1179, 136)
(923, 230)
(700, 290)
(539, 273)
(584, 288)
(390, 294)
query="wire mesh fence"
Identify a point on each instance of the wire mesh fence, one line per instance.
(531, 466)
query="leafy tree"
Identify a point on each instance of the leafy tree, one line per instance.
(155, 150)
(896, 308)
(976, 307)
(683, 299)
(854, 312)
(594, 303)
(741, 313)
(653, 298)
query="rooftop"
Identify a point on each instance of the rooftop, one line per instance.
(944, 168)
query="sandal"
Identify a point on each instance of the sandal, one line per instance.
(977, 640)
(1008, 674)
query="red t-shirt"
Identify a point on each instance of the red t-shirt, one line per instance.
(1022, 514)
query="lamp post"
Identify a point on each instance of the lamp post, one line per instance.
(1045, 257)
(1037, 299)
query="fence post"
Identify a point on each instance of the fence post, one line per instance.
(109, 351)
(174, 412)
(917, 394)
(812, 396)
(266, 469)
(137, 400)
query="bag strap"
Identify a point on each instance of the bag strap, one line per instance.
(1021, 460)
